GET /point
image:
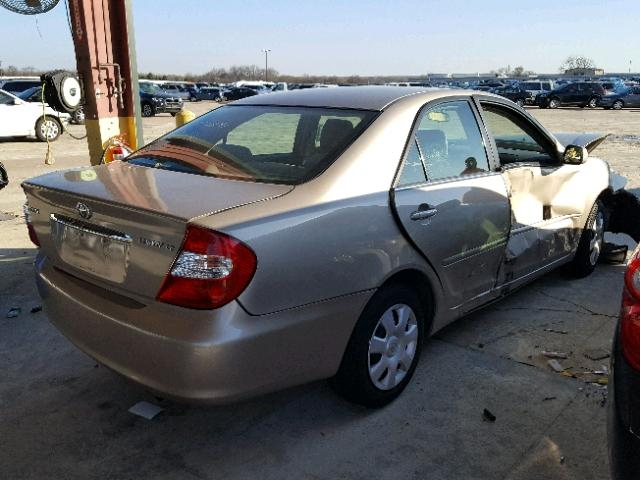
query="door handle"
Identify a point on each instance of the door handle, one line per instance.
(424, 211)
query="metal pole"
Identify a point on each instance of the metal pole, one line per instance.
(266, 64)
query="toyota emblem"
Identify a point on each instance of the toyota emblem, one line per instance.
(84, 210)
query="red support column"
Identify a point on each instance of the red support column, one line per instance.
(106, 62)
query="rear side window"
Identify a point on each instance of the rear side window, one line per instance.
(271, 144)
(449, 144)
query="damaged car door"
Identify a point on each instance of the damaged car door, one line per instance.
(451, 203)
(546, 195)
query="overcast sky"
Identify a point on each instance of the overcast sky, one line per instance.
(350, 36)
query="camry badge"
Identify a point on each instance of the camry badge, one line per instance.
(84, 210)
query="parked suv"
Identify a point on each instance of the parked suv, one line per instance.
(154, 100)
(176, 91)
(581, 94)
(515, 94)
(536, 87)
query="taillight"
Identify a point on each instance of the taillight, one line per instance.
(630, 313)
(32, 231)
(211, 270)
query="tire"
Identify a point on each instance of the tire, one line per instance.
(173, 114)
(148, 110)
(364, 376)
(590, 244)
(593, 102)
(554, 103)
(48, 129)
(4, 176)
(618, 105)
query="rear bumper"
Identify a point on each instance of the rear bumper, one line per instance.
(216, 356)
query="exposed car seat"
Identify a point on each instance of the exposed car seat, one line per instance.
(235, 151)
(333, 133)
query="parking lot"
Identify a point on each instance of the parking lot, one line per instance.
(63, 416)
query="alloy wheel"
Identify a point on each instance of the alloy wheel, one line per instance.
(50, 129)
(595, 245)
(617, 105)
(392, 347)
(593, 103)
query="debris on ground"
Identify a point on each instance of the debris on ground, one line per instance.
(597, 354)
(562, 355)
(14, 312)
(36, 309)
(553, 330)
(555, 365)
(146, 410)
(546, 399)
(562, 460)
(614, 254)
(487, 416)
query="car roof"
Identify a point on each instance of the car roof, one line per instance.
(357, 98)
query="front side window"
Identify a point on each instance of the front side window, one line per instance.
(289, 145)
(517, 140)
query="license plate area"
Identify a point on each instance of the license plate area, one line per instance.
(91, 248)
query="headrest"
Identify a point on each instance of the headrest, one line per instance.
(333, 132)
(433, 143)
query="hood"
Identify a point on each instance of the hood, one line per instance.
(163, 95)
(588, 140)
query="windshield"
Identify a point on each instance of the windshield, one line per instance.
(288, 145)
(31, 92)
(150, 88)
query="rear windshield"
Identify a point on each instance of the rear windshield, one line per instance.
(289, 145)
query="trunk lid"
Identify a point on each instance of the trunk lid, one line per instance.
(121, 225)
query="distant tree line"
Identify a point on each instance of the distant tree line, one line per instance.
(255, 72)
(13, 71)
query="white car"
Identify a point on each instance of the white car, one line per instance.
(24, 119)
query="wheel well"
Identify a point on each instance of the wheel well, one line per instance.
(420, 282)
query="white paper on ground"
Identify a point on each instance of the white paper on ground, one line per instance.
(146, 410)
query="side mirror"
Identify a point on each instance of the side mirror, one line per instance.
(17, 101)
(575, 155)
